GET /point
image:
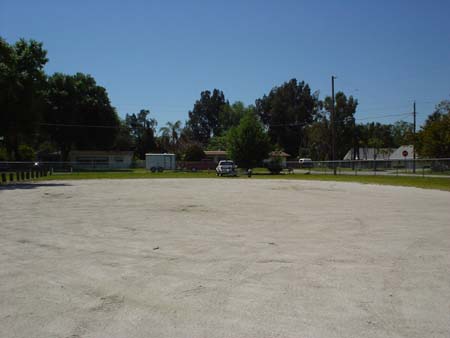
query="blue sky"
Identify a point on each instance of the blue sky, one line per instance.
(160, 55)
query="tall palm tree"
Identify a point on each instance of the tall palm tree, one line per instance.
(171, 131)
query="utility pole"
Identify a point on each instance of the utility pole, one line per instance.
(414, 140)
(333, 128)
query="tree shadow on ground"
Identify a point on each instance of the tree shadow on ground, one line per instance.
(27, 186)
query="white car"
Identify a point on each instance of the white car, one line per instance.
(226, 167)
(306, 163)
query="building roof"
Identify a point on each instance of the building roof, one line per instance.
(398, 153)
(216, 153)
(100, 152)
(382, 153)
(159, 154)
(370, 154)
(279, 154)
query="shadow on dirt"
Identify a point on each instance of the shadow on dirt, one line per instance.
(26, 186)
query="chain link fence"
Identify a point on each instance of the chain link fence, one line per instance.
(433, 166)
(436, 167)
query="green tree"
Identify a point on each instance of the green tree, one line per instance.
(285, 111)
(345, 108)
(319, 140)
(22, 82)
(193, 152)
(170, 135)
(124, 140)
(377, 145)
(26, 153)
(143, 130)
(217, 143)
(248, 143)
(402, 133)
(376, 130)
(231, 115)
(441, 109)
(204, 119)
(434, 137)
(79, 114)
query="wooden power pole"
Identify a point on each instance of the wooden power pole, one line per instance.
(333, 127)
(414, 140)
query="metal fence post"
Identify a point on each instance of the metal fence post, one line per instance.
(3, 178)
(11, 177)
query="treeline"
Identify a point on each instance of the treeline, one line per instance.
(44, 114)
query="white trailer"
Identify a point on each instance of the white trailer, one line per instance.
(160, 162)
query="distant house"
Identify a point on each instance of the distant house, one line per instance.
(281, 155)
(98, 159)
(370, 154)
(398, 153)
(216, 155)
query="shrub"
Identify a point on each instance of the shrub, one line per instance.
(274, 165)
(194, 152)
(26, 153)
(3, 154)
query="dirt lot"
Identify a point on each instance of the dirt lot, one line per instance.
(223, 258)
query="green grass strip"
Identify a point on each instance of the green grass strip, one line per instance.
(418, 182)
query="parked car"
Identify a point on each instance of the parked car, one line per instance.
(305, 163)
(226, 167)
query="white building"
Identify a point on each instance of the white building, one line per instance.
(398, 153)
(370, 154)
(98, 159)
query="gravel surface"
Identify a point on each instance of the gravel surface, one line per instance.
(223, 258)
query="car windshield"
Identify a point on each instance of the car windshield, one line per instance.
(226, 163)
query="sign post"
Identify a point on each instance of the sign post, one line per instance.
(405, 154)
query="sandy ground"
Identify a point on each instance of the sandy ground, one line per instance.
(223, 258)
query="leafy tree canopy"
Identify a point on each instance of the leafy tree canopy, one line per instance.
(345, 109)
(248, 143)
(193, 152)
(217, 143)
(434, 137)
(205, 118)
(79, 114)
(22, 81)
(170, 136)
(285, 111)
(402, 133)
(142, 129)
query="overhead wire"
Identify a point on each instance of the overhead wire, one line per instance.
(69, 125)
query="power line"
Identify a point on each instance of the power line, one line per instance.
(70, 125)
(78, 125)
(378, 108)
(336, 120)
(381, 116)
